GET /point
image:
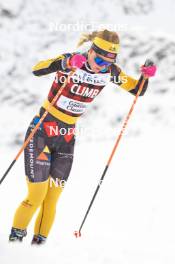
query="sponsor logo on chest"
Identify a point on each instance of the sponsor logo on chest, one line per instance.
(84, 91)
(82, 76)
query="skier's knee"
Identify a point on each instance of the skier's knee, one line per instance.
(36, 193)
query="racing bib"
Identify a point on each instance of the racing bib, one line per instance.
(71, 105)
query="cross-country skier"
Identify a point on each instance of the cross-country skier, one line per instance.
(49, 154)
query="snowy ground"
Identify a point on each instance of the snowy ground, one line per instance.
(132, 220)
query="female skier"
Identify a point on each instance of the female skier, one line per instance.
(49, 154)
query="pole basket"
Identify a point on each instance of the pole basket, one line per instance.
(77, 234)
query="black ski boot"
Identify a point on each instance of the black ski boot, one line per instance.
(38, 240)
(17, 234)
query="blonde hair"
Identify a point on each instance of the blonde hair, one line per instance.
(105, 34)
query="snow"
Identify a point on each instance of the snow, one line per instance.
(132, 219)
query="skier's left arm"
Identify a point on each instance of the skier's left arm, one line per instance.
(130, 84)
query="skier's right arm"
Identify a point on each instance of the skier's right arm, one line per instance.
(51, 65)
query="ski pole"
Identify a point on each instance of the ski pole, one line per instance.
(78, 233)
(37, 126)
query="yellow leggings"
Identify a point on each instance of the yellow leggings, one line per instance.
(39, 195)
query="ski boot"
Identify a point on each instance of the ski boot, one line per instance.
(38, 240)
(17, 234)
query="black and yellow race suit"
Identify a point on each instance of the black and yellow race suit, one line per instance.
(49, 153)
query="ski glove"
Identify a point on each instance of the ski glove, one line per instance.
(76, 61)
(148, 71)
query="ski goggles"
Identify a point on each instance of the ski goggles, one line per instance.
(99, 61)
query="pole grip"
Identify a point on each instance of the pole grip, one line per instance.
(148, 63)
